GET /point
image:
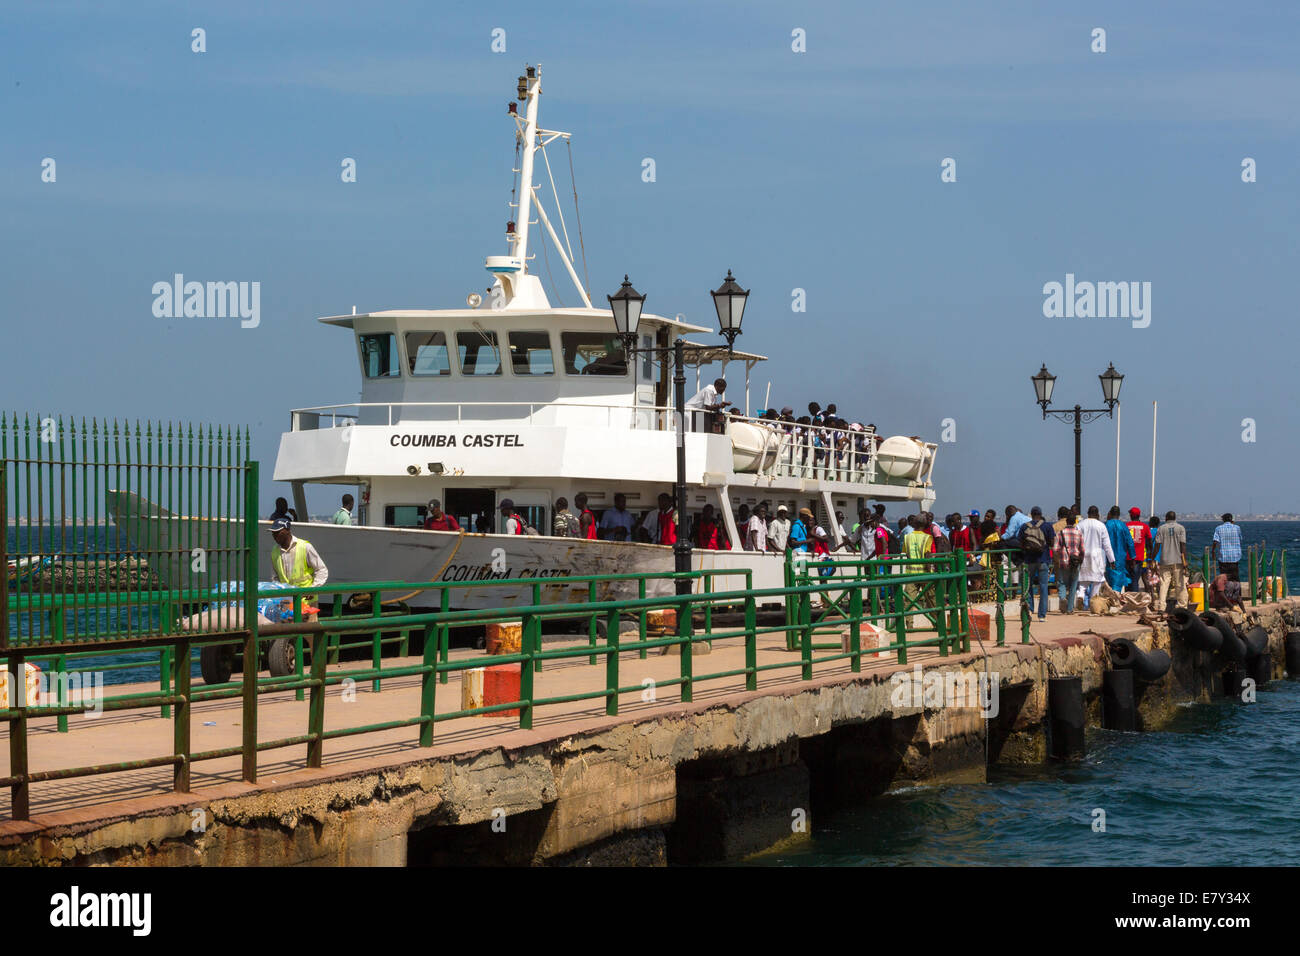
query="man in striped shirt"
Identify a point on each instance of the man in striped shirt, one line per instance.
(1227, 548)
(1069, 558)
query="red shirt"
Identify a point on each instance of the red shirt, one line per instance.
(706, 536)
(1141, 538)
(667, 527)
(445, 523)
(591, 528)
(960, 539)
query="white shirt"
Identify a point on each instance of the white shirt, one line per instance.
(708, 395)
(865, 538)
(1096, 550)
(756, 534)
(778, 532)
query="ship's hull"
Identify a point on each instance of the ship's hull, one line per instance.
(357, 555)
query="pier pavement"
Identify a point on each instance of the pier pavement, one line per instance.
(137, 734)
(714, 778)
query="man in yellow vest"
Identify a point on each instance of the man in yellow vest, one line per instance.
(296, 563)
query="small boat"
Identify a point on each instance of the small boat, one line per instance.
(22, 570)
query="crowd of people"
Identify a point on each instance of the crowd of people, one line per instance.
(1081, 552)
(821, 439)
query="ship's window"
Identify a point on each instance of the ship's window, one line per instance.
(530, 353)
(647, 359)
(426, 352)
(478, 353)
(592, 353)
(404, 516)
(379, 355)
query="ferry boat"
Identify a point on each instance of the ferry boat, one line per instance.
(511, 398)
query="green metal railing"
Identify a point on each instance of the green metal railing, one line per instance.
(1265, 580)
(434, 628)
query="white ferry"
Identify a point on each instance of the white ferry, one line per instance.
(512, 398)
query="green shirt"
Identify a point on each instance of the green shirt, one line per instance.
(343, 516)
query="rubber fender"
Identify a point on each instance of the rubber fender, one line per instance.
(1065, 718)
(1217, 620)
(1233, 648)
(1198, 635)
(1118, 700)
(1293, 654)
(1260, 668)
(1256, 642)
(1147, 666)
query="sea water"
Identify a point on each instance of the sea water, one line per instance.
(1215, 787)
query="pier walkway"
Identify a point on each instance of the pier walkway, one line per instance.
(123, 736)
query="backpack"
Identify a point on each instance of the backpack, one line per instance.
(566, 525)
(1032, 540)
(941, 544)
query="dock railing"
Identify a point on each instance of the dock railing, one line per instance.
(614, 628)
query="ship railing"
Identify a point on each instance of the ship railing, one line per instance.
(817, 452)
(634, 417)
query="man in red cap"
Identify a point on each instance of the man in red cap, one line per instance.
(1141, 533)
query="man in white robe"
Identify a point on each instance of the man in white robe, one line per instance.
(1097, 553)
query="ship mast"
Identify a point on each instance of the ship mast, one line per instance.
(530, 86)
(519, 288)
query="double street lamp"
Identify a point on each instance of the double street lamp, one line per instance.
(627, 304)
(1045, 383)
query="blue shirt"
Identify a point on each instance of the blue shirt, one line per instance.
(1121, 540)
(798, 536)
(1228, 537)
(1017, 521)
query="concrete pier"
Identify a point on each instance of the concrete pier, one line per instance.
(733, 773)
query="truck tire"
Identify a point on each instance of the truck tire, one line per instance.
(280, 658)
(216, 663)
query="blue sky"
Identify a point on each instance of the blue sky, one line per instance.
(816, 170)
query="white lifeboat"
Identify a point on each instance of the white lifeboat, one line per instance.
(753, 447)
(900, 458)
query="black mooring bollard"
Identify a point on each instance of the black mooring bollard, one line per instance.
(1065, 718)
(1292, 645)
(1118, 700)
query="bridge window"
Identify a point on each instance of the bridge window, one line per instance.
(379, 355)
(426, 352)
(478, 353)
(530, 353)
(592, 353)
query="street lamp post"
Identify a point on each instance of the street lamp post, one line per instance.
(627, 304)
(1045, 383)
